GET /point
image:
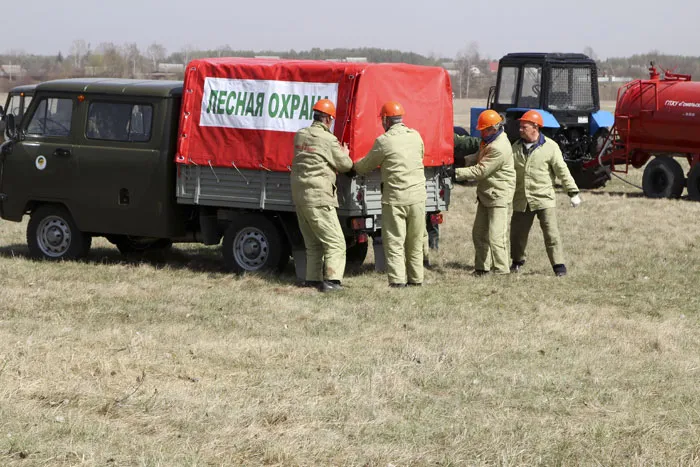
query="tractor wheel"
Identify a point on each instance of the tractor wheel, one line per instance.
(590, 179)
(663, 178)
(252, 243)
(694, 183)
(461, 131)
(52, 234)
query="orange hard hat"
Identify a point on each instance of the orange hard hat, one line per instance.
(325, 106)
(532, 116)
(488, 118)
(392, 109)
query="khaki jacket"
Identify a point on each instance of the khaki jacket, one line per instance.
(536, 173)
(317, 157)
(399, 154)
(494, 171)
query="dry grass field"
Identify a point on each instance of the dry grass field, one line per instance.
(171, 361)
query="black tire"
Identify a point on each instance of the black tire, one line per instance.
(128, 245)
(53, 235)
(252, 243)
(694, 183)
(590, 179)
(663, 178)
(461, 131)
(355, 255)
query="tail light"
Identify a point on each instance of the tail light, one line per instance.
(362, 238)
(436, 219)
(360, 196)
(362, 223)
(442, 194)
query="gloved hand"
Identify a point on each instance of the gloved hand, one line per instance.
(575, 201)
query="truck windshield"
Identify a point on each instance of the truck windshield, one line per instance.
(571, 88)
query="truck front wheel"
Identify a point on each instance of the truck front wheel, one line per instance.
(252, 243)
(52, 234)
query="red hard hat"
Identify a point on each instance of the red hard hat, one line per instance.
(488, 118)
(325, 106)
(532, 116)
(392, 109)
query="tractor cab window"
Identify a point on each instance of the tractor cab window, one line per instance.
(571, 89)
(530, 88)
(507, 85)
(52, 117)
(13, 105)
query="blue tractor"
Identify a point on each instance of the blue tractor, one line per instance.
(564, 89)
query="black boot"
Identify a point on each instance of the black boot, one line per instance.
(331, 286)
(396, 285)
(479, 273)
(517, 265)
(559, 270)
(313, 284)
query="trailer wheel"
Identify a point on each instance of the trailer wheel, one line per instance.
(663, 178)
(694, 183)
(52, 234)
(252, 243)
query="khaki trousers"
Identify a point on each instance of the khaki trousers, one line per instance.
(520, 225)
(403, 232)
(324, 242)
(490, 236)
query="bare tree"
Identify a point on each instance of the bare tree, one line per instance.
(588, 50)
(78, 50)
(223, 50)
(466, 58)
(156, 53)
(133, 58)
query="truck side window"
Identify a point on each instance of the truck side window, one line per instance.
(507, 86)
(118, 121)
(52, 117)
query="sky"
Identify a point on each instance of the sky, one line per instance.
(436, 27)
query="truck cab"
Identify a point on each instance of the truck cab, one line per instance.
(563, 88)
(18, 99)
(93, 157)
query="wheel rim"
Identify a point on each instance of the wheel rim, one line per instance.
(53, 236)
(251, 249)
(659, 181)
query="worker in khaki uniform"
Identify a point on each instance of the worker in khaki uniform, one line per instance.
(399, 154)
(538, 162)
(493, 169)
(317, 157)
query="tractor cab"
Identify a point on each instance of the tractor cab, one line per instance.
(563, 88)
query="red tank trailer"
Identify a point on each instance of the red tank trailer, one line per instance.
(659, 118)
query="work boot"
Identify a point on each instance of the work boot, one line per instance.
(559, 270)
(479, 273)
(415, 284)
(396, 285)
(330, 286)
(517, 265)
(313, 284)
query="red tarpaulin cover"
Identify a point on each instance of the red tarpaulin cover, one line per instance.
(244, 112)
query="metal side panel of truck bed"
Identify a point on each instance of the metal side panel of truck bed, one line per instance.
(265, 190)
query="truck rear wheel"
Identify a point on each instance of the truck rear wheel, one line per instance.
(355, 255)
(663, 178)
(52, 234)
(694, 183)
(252, 243)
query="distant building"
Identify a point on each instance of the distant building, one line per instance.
(12, 71)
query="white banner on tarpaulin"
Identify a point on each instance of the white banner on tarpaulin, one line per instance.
(262, 104)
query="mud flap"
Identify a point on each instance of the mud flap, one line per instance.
(379, 258)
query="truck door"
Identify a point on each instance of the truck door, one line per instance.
(42, 166)
(121, 168)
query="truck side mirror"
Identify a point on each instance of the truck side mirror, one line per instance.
(10, 129)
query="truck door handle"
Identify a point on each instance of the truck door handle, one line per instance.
(60, 152)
